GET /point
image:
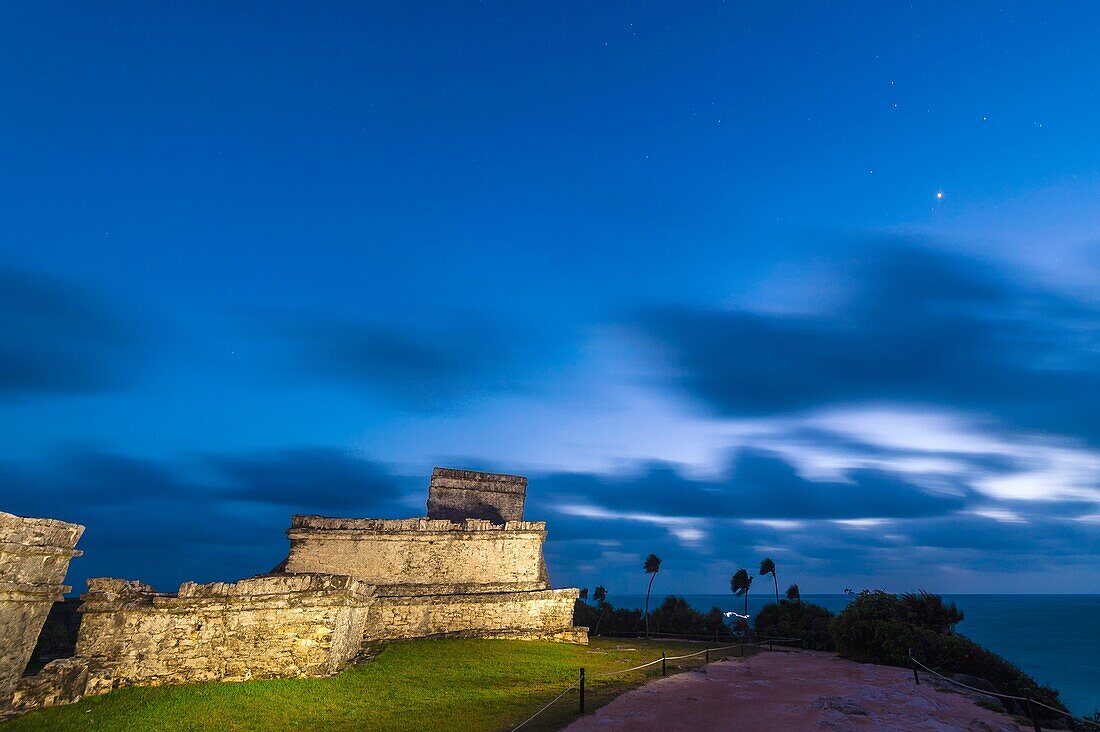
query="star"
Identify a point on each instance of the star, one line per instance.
(939, 195)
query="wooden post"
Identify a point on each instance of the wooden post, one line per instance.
(913, 665)
(706, 656)
(582, 690)
(664, 671)
(1031, 714)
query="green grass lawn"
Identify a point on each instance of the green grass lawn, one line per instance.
(453, 685)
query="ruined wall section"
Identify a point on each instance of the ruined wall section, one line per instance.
(455, 495)
(534, 615)
(264, 627)
(34, 557)
(422, 556)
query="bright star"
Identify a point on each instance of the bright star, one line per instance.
(939, 194)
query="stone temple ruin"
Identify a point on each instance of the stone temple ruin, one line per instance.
(471, 568)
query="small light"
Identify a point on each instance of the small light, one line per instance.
(939, 195)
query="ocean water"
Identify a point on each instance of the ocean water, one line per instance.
(1054, 638)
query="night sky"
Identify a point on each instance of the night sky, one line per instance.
(820, 282)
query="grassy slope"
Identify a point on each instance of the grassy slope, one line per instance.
(448, 685)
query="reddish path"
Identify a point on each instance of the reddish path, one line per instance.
(791, 691)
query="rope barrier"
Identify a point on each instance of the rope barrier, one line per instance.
(1074, 717)
(550, 704)
(971, 688)
(689, 655)
(704, 651)
(623, 671)
(1027, 700)
(628, 670)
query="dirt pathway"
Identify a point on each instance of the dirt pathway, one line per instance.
(791, 691)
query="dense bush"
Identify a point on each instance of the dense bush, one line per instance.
(585, 615)
(878, 627)
(796, 620)
(676, 616)
(673, 616)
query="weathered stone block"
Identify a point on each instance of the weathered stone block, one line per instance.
(60, 682)
(460, 494)
(34, 556)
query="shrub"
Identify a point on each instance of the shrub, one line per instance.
(878, 627)
(929, 611)
(676, 616)
(797, 620)
(586, 615)
(673, 616)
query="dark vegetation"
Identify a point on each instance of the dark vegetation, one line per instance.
(878, 627)
(796, 620)
(673, 616)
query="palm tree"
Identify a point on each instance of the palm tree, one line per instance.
(583, 595)
(652, 567)
(793, 594)
(740, 583)
(767, 566)
(600, 596)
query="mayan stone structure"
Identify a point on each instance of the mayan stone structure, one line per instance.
(472, 567)
(34, 556)
(447, 574)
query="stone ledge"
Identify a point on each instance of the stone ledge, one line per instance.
(569, 593)
(303, 525)
(23, 592)
(109, 594)
(27, 532)
(478, 480)
(577, 634)
(23, 550)
(464, 588)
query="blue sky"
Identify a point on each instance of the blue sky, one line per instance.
(814, 281)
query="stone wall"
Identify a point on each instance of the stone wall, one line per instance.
(441, 578)
(34, 557)
(460, 494)
(539, 614)
(264, 627)
(422, 556)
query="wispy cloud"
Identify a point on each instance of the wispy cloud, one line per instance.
(59, 338)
